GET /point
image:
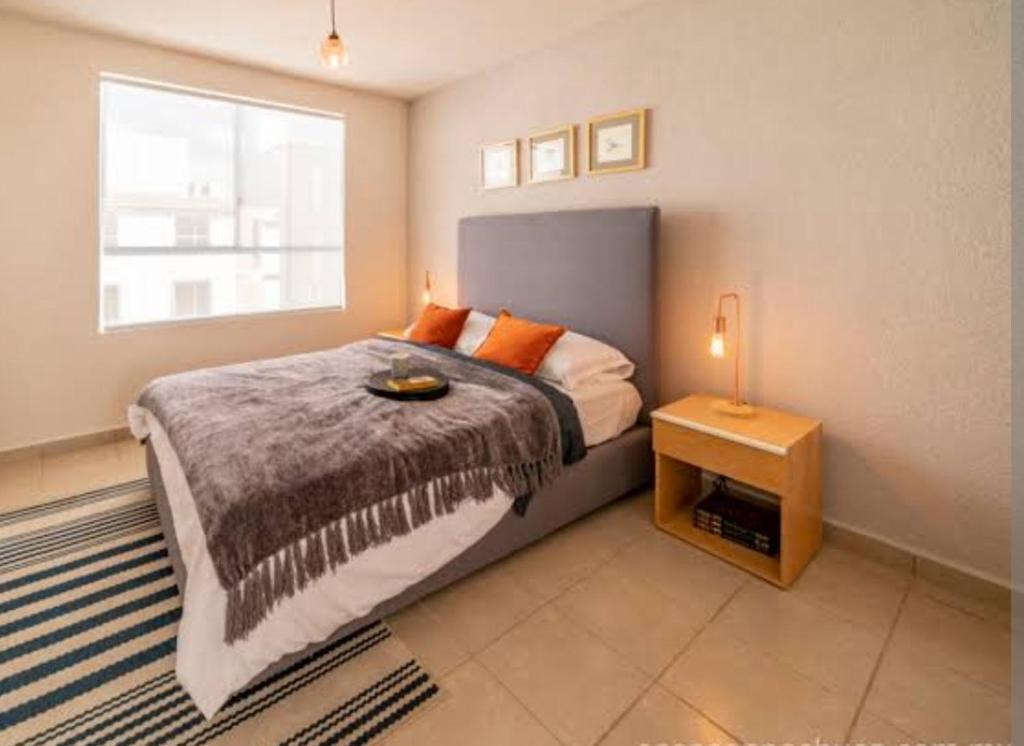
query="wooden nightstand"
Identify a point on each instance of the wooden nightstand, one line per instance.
(392, 334)
(773, 451)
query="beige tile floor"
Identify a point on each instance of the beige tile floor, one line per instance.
(610, 632)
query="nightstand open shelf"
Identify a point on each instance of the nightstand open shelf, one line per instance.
(678, 520)
(773, 451)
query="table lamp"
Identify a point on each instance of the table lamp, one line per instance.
(735, 407)
(426, 289)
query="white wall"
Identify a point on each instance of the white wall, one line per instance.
(845, 164)
(59, 376)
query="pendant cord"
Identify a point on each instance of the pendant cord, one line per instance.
(334, 28)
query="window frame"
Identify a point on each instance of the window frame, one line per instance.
(167, 87)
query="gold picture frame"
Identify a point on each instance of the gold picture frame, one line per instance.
(543, 157)
(499, 165)
(617, 142)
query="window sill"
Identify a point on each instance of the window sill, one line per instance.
(210, 320)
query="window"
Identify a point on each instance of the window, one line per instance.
(191, 298)
(216, 207)
(111, 304)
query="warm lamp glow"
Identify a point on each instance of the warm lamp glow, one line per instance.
(426, 289)
(333, 50)
(717, 345)
(735, 406)
(333, 53)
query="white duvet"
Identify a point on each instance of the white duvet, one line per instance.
(211, 670)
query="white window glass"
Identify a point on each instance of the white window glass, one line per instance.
(216, 207)
(111, 301)
(191, 298)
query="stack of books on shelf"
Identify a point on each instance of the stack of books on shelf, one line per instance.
(746, 521)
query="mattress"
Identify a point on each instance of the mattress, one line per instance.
(606, 410)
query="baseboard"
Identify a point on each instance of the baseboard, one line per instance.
(925, 565)
(63, 445)
(870, 546)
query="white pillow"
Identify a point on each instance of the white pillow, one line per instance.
(474, 332)
(576, 360)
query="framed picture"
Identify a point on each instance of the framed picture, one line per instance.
(552, 154)
(499, 165)
(617, 142)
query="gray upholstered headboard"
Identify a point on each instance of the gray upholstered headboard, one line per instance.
(591, 270)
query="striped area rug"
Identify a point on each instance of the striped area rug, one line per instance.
(88, 620)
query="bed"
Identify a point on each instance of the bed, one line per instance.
(591, 270)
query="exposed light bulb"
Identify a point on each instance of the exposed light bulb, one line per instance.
(333, 52)
(426, 289)
(717, 345)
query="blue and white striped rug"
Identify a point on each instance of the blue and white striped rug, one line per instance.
(88, 621)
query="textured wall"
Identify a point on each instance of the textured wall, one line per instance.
(58, 375)
(845, 164)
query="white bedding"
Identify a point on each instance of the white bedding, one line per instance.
(210, 670)
(606, 410)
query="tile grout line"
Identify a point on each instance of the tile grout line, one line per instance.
(657, 677)
(544, 603)
(975, 618)
(536, 718)
(585, 631)
(934, 598)
(887, 637)
(878, 662)
(475, 656)
(806, 677)
(779, 660)
(843, 614)
(551, 602)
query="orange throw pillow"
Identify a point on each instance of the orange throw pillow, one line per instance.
(518, 343)
(439, 326)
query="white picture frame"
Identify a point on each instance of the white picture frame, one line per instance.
(499, 165)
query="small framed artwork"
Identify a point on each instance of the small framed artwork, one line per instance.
(617, 142)
(499, 165)
(552, 154)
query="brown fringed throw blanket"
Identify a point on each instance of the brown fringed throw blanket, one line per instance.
(294, 467)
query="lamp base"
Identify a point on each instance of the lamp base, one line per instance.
(725, 406)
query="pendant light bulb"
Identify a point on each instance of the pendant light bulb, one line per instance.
(333, 51)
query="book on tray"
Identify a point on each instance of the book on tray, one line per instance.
(414, 383)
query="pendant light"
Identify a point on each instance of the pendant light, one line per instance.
(333, 52)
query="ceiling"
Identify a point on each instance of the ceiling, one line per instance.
(399, 47)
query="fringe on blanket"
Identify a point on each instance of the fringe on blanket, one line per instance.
(289, 570)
